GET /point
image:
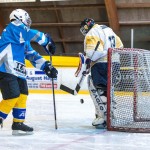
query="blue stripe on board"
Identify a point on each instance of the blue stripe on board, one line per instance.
(39, 72)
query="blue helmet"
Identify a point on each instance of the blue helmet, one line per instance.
(86, 25)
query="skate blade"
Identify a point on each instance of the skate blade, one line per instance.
(21, 133)
(100, 126)
(1, 126)
(1, 123)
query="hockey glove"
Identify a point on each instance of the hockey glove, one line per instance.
(49, 70)
(88, 65)
(50, 47)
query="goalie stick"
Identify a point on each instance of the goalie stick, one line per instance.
(78, 86)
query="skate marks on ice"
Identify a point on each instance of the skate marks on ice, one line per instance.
(74, 132)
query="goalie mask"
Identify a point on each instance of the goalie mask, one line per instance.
(86, 25)
(22, 15)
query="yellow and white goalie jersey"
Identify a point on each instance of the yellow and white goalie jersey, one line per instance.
(108, 39)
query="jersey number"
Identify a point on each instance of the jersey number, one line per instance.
(112, 41)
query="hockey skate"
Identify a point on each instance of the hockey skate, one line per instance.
(1, 122)
(19, 128)
(99, 122)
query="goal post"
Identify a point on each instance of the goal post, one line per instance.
(128, 90)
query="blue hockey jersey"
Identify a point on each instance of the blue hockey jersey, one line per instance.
(15, 47)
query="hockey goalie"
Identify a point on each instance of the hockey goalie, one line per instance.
(95, 63)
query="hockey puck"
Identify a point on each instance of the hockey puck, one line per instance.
(81, 101)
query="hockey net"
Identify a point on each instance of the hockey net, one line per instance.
(128, 97)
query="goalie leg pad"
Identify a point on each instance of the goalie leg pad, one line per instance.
(99, 103)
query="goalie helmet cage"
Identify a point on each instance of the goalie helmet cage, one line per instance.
(128, 90)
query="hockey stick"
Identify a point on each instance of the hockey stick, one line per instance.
(55, 116)
(78, 86)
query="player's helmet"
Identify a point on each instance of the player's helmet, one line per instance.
(22, 15)
(86, 25)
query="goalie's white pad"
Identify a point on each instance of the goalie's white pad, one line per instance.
(99, 103)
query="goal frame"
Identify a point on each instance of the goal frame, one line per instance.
(135, 116)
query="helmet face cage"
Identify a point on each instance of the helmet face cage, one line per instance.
(86, 25)
(22, 15)
(83, 30)
(27, 20)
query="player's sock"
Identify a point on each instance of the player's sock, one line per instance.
(18, 127)
(19, 110)
(6, 106)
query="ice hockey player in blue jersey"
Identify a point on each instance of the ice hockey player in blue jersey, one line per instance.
(15, 47)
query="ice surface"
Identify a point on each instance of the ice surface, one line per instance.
(74, 132)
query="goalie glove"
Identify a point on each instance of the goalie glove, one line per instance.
(84, 66)
(50, 47)
(49, 70)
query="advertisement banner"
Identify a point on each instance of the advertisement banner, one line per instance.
(38, 80)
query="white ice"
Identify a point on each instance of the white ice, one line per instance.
(74, 132)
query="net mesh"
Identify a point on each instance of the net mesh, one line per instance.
(129, 90)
